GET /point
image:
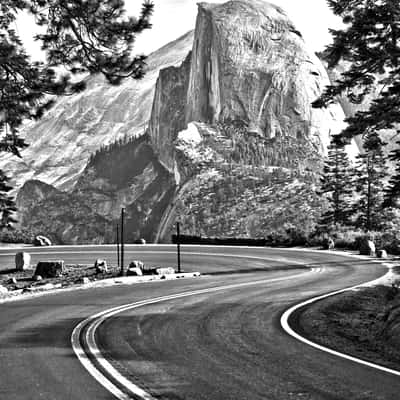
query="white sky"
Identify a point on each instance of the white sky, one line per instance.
(173, 18)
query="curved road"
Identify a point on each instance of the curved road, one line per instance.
(219, 345)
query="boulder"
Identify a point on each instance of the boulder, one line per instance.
(381, 254)
(367, 247)
(328, 244)
(140, 241)
(101, 266)
(137, 264)
(49, 269)
(41, 241)
(37, 278)
(3, 289)
(132, 271)
(22, 261)
(165, 271)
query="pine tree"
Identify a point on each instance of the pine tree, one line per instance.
(369, 181)
(369, 46)
(336, 185)
(81, 38)
(392, 195)
(7, 204)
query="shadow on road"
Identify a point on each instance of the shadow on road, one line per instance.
(293, 267)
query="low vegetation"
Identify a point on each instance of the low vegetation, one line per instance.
(363, 323)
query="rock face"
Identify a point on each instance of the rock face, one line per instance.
(250, 63)
(77, 126)
(228, 105)
(125, 175)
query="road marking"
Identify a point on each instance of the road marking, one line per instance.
(93, 322)
(285, 325)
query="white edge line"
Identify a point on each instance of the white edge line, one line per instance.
(287, 328)
(95, 320)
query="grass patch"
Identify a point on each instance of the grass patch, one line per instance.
(363, 323)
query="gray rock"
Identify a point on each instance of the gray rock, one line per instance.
(328, 244)
(165, 271)
(12, 281)
(140, 241)
(367, 247)
(137, 264)
(84, 280)
(22, 261)
(41, 241)
(101, 266)
(132, 271)
(50, 269)
(381, 254)
(37, 278)
(3, 289)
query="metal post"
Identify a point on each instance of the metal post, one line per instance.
(118, 245)
(178, 240)
(122, 241)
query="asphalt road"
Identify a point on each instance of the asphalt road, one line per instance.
(221, 345)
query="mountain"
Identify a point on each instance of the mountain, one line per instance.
(63, 140)
(230, 124)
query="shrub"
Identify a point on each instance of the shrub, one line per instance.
(16, 236)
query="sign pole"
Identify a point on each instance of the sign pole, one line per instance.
(122, 241)
(178, 242)
(118, 245)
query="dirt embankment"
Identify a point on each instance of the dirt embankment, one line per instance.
(363, 323)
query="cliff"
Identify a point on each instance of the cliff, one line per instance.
(77, 126)
(230, 122)
(250, 63)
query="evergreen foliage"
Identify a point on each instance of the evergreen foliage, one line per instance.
(114, 162)
(80, 38)
(370, 46)
(336, 185)
(7, 204)
(370, 175)
(392, 195)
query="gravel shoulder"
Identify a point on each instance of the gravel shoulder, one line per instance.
(17, 285)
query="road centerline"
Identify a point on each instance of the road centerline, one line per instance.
(90, 325)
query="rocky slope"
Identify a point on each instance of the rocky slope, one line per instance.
(63, 140)
(235, 109)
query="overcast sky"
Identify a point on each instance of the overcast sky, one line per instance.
(173, 18)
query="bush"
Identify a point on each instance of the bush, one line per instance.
(16, 236)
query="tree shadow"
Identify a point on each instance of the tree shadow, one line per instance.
(291, 267)
(56, 334)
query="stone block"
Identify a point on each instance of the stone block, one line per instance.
(22, 261)
(49, 269)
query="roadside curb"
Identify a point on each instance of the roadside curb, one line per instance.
(126, 280)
